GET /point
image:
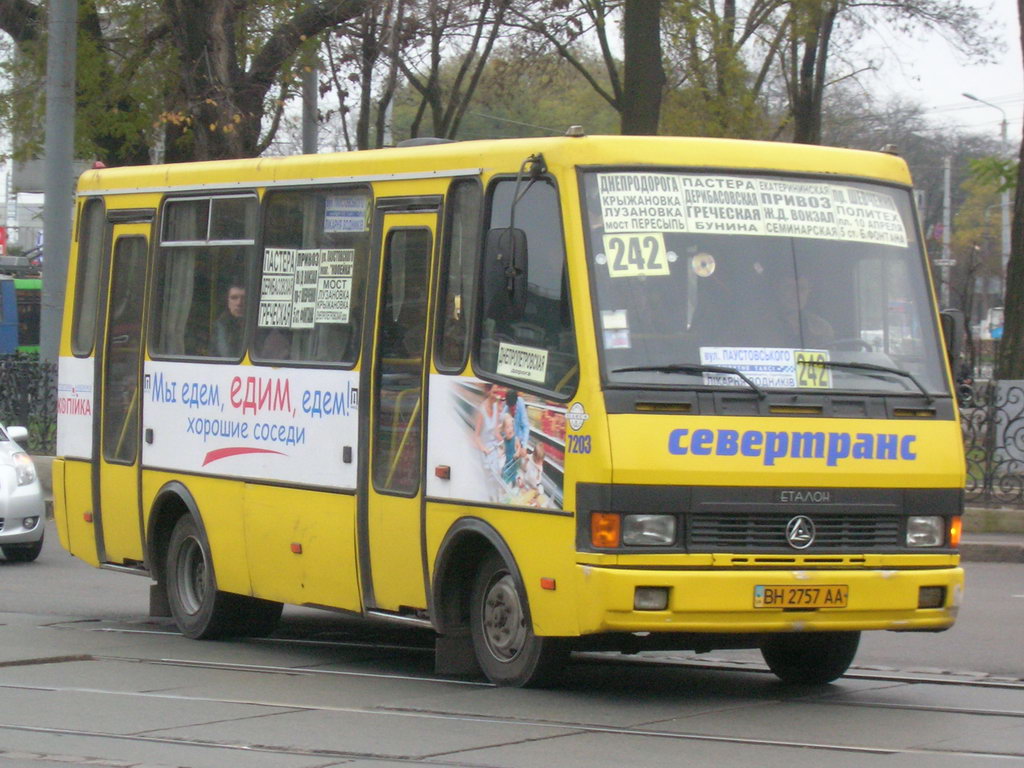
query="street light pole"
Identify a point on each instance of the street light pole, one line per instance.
(1004, 199)
(60, 179)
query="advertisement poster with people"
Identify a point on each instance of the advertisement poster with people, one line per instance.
(501, 445)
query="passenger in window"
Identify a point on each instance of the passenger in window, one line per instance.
(229, 327)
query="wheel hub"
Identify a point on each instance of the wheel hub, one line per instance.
(503, 619)
(191, 576)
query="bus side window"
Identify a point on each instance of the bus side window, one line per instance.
(87, 276)
(202, 277)
(536, 345)
(315, 247)
(461, 246)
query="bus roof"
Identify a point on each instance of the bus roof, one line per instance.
(464, 158)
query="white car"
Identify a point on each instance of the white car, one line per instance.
(22, 513)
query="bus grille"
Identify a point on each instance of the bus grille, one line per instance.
(757, 531)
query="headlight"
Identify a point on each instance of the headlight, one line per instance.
(926, 531)
(648, 530)
(24, 467)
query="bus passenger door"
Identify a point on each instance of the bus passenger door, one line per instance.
(119, 522)
(391, 513)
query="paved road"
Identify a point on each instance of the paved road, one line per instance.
(985, 640)
(85, 675)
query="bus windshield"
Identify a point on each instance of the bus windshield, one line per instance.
(759, 282)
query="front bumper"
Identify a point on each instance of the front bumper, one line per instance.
(717, 601)
(18, 502)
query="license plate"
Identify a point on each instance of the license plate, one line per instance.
(820, 596)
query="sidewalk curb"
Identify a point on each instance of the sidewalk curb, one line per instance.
(990, 549)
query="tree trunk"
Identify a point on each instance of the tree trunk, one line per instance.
(1010, 359)
(225, 112)
(808, 86)
(643, 76)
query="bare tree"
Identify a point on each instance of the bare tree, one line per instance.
(808, 33)
(459, 35)
(634, 86)
(362, 69)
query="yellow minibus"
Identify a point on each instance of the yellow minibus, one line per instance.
(538, 395)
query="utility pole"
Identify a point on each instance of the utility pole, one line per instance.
(59, 169)
(309, 110)
(946, 234)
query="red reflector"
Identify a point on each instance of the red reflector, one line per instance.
(296, 548)
(443, 471)
(547, 583)
(87, 516)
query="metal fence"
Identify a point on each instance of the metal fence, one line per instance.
(28, 398)
(993, 429)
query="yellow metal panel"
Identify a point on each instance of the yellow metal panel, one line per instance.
(72, 495)
(505, 156)
(220, 506)
(325, 572)
(122, 539)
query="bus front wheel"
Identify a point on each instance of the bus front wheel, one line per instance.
(814, 658)
(508, 651)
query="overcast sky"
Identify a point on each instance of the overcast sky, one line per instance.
(931, 70)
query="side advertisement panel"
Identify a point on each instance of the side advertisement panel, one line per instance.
(496, 445)
(275, 424)
(75, 405)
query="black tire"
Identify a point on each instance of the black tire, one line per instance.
(813, 658)
(23, 553)
(507, 650)
(201, 611)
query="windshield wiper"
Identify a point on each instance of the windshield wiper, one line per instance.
(874, 368)
(695, 368)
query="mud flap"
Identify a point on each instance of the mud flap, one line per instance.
(454, 655)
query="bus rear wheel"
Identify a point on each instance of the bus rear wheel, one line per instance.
(813, 658)
(200, 610)
(507, 650)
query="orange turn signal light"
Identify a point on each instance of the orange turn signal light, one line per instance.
(605, 529)
(956, 530)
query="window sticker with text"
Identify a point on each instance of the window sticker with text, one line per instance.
(636, 255)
